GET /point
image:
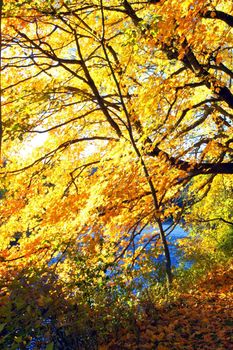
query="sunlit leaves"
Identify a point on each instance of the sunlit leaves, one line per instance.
(109, 109)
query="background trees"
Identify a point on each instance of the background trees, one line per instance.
(210, 219)
(133, 100)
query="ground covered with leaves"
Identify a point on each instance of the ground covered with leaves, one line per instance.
(201, 318)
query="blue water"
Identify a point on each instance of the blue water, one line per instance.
(158, 274)
(176, 254)
(174, 234)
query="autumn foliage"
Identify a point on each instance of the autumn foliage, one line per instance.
(199, 319)
(116, 116)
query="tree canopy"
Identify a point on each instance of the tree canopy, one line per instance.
(110, 109)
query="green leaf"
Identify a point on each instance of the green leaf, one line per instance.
(2, 325)
(15, 127)
(49, 346)
(18, 339)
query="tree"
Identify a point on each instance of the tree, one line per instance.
(210, 217)
(134, 99)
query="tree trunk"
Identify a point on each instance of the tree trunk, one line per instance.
(169, 274)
